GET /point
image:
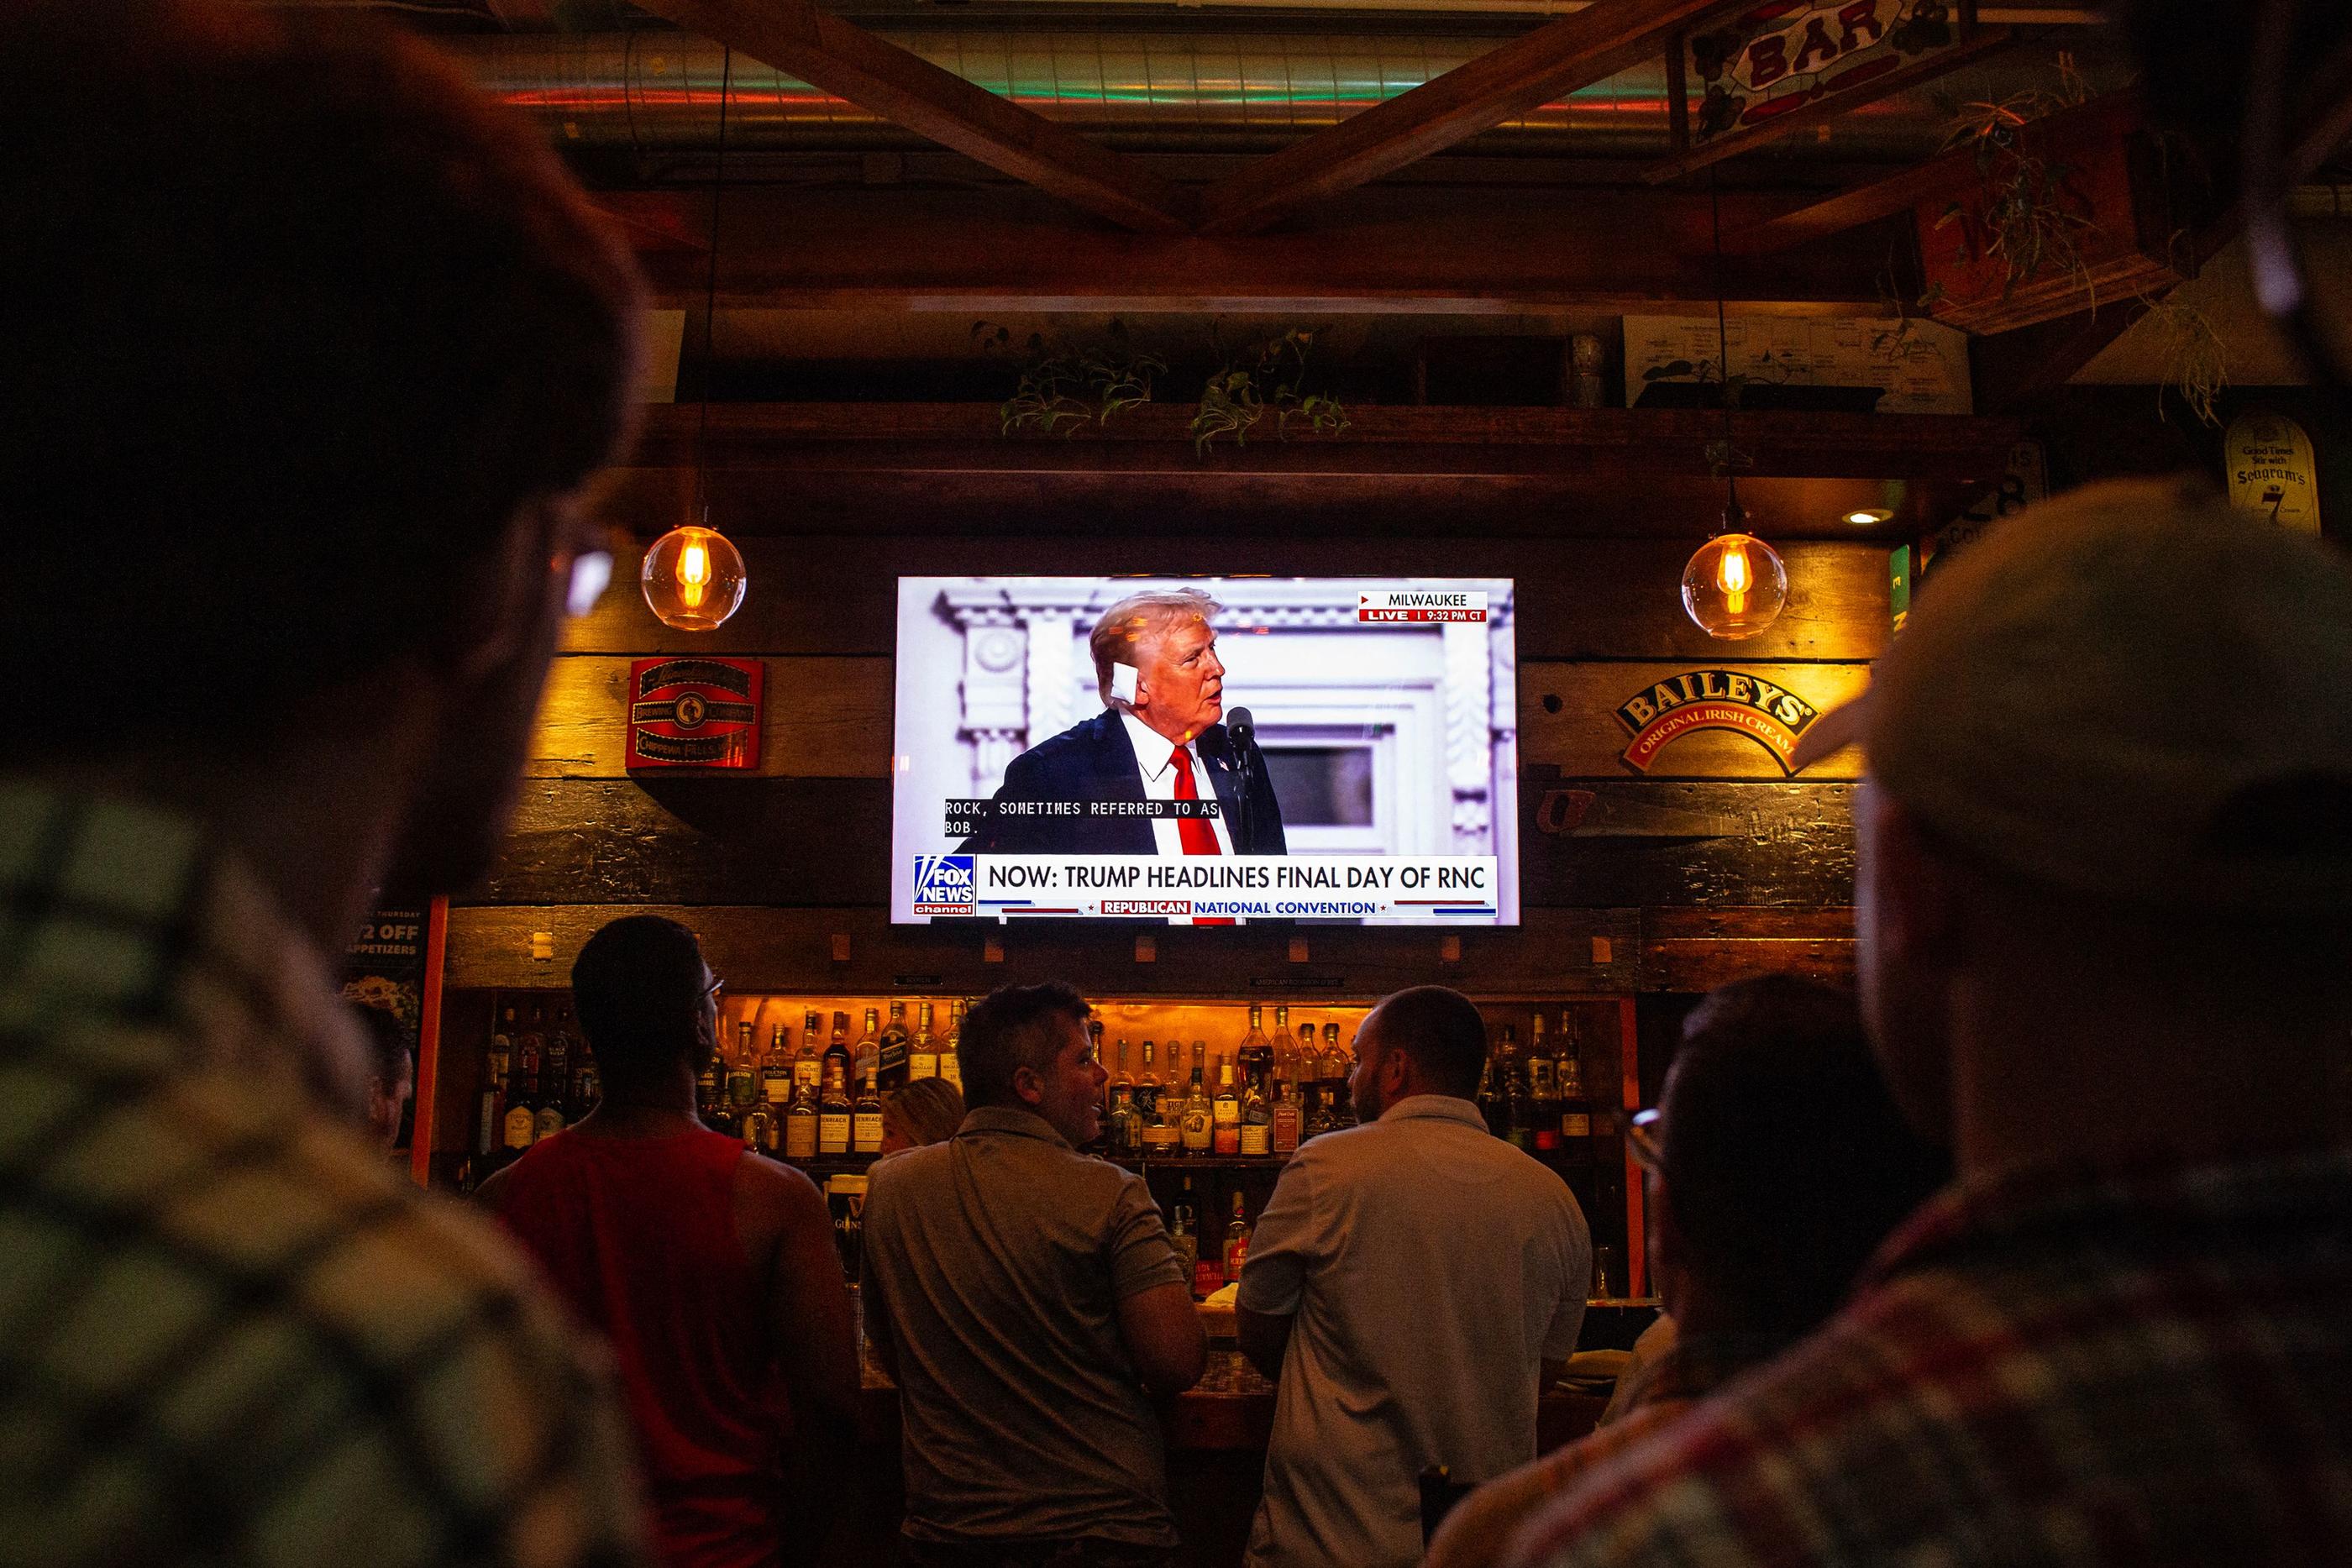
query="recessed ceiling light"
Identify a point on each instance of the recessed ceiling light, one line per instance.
(1863, 516)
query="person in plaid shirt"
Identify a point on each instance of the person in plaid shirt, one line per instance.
(2103, 902)
(315, 348)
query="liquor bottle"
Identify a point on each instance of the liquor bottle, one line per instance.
(1180, 1233)
(866, 1115)
(1284, 1123)
(800, 1124)
(587, 1081)
(867, 1052)
(555, 1064)
(894, 1047)
(522, 1097)
(534, 1034)
(1575, 1107)
(1197, 1123)
(759, 1128)
(950, 1055)
(706, 1092)
(833, 1113)
(1511, 1082)
(776, 1073)
(1255, 1053)
(836, 1054)
(498, 1063)
(1125, 1137)
(1257, 1120)
(1147, 1090)
(1543, 1089)
(808, 1066)
(923, 1060)
(1238, 1240)
(1162, 1135)
(743, 1073)
(1339, 1067)
(1227, 1111)
(548, 1119)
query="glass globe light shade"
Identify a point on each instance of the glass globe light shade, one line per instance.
(694, 580)
(1735, 586)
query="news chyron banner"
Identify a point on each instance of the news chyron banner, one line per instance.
(1206, 750)
(1433, 888)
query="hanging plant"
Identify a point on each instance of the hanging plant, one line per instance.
(1270, 375)
(1065, 386)
(2023, 216)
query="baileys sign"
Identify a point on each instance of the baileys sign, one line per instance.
(1667, 710)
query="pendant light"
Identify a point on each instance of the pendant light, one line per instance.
(1735, 585)
(693, 576)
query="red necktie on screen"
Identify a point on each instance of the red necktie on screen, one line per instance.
(1197, 835)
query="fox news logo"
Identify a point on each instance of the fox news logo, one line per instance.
(943, 884)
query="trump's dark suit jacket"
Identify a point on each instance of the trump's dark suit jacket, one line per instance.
(1093, 761)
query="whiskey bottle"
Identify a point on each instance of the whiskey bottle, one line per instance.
(759, 1129)
(1284, 1123)
(1238, 1240)
(707, 1092)
(800, 1123)
(1147, 1090)
(498, 1064)
(1121, 1125)
(950, 1061)
(923, 1058)
(833, 1113)
(1575, 1106)
(743, 1073)
(1197, 1121)
(868, 1052)
(1333, 1074)
(1257, 1120)
(1227, 1112)
(522, 1098)
(1181, 1234)
(1162, 1135)
(866, 1115)
(587, 1082)
(776, 1073)
(1256, 1053)
(808, 1066)
(555, 1065)
(836, 1053)
(1543, 1089)
(893, 1049)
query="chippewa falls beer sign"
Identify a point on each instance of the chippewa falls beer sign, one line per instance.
(1668, 710)
(694, 713)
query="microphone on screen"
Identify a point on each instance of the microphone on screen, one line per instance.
(1240, 726)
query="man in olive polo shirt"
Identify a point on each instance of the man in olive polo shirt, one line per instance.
(1028, 1302)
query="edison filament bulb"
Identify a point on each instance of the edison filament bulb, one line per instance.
(1735, 586)
(694, 578)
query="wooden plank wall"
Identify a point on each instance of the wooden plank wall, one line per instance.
(1711, 865)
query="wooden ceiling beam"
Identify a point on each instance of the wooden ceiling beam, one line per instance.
(877, 75)
(1557, 58)
(1416, 250)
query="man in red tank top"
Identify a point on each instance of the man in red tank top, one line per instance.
(711, 1269)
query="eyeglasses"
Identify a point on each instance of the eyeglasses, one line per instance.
(710, 993)
(1642, 1135)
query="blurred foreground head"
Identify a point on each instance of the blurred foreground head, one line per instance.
(319, 346)
(2110, 795)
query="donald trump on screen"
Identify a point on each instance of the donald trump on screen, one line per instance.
(1160, 737)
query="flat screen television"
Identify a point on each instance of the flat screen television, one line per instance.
(1206, 750)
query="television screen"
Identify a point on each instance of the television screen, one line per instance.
(1206, 750)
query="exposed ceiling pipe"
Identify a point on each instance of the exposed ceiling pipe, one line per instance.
(657, 92)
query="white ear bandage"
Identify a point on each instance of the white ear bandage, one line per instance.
(1122, 683)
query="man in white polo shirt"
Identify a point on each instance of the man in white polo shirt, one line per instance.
(1411, 1287)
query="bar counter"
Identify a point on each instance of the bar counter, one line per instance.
(1217, 1435)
